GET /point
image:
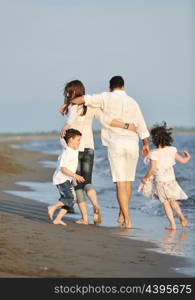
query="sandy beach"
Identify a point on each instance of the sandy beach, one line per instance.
(30, 246)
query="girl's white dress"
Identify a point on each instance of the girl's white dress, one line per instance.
(163, 184)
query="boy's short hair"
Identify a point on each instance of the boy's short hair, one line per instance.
(116, 82)
(71, 133)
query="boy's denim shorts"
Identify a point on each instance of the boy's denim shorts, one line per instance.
(67, 194)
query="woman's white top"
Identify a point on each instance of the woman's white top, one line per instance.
(84, 123)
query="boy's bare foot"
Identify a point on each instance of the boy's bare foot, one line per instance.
(184, 222)
(82, 222)
(171, 228)
(50, 212)
(97, 216)
(59, 222)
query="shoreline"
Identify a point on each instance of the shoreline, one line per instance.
(40, 249)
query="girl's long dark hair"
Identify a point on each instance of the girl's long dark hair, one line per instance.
(161, 135)
(73, 89)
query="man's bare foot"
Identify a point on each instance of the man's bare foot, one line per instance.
(126, 226)
(97, 216)
(50, 212)
(82, 222)
(59, 222)
(171, 228)
(184, 222)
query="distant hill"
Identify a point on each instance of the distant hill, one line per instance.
(176, 130)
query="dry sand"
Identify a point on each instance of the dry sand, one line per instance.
(30, 246)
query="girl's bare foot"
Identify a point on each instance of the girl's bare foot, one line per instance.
(97, 216)
(171, 228)
(59, 222)
(126, 226)
(50, 212)
(81, 222)
(184, 222)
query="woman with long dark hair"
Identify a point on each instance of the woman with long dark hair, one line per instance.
(80, 117)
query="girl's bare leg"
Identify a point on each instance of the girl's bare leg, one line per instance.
(175, 206)
(169, 214)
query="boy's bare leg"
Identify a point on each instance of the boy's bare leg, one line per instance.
(51, 209)
(175, 206)
(92, 195)
(123, 202)
(58, 219)
(169, 214)
(84, 213)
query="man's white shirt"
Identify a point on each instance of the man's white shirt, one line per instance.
(118, 105)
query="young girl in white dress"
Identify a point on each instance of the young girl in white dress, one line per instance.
(160, 181)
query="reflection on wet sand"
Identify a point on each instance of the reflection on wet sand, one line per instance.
(173, 243)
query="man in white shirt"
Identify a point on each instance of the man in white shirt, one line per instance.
(123, 149)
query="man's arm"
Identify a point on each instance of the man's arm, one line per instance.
(127, 126)
(141, 125)
(142, 131)
(95, 100)
(106, 120)
(145, 147)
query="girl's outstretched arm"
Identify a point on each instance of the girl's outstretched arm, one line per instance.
(151, 171)
(183, 159)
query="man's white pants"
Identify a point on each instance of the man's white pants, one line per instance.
(123, 156)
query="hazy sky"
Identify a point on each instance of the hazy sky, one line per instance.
(45, 43)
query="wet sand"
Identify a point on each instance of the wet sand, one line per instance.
(30, 246)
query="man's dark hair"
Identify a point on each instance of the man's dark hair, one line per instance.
(116, 82)
(71, 133)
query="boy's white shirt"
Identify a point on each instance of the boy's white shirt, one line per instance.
(69, 160)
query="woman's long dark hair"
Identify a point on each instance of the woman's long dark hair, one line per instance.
(73, 89)
(161, 135)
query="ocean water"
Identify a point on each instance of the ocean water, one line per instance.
(147, 215)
